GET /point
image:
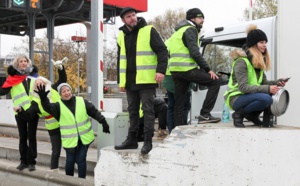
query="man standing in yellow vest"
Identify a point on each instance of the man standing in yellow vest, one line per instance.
(142, 62)
(185, 58)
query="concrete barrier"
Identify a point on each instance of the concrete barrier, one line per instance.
(216, 154)
(7, 112)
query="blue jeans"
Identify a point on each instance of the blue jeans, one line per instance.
(78, 155)
(170, 112)
(253, 102)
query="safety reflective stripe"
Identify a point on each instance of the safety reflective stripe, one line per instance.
(75, 135)
(69, 136)
(19, 96)
(68, 126)
(145, 53)
(24, 103)
(85, 131)
(123, 57)
(146, 67)
(122, 70)
(50, 120)
(185, 64)
(180, 55)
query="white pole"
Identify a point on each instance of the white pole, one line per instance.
(250, 10)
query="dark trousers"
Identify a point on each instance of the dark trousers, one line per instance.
(56, 149)
(170, 113)
(182, 82)
(134, 98)
(76, 155)
(27, 130)
(160, 111)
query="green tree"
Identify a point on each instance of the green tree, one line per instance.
(262, 9)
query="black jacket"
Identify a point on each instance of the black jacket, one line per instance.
(54, 108)
(189, 39)
(12, 72)
(157, 46)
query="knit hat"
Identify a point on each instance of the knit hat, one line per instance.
(194, 12)
(254, 35)
(62, 85)
(127, 9)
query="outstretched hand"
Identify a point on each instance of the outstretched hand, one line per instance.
(105, 127)
(41, 91)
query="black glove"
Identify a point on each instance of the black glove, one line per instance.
(105, 127)
(41, 92)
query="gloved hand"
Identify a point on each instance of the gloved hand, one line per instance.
(41, 92)
(105, 127)
(59, 63)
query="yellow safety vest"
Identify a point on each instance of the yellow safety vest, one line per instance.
(73, 127)
(146, 59)
(180, 59)
(50, 122)
(19, 95)
(233, 89)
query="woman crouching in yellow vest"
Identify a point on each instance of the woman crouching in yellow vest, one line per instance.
(76, 130)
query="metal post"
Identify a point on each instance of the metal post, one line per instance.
(80, 60)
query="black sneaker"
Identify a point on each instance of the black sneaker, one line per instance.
(22, 166)
(207, 118)
(31, 167)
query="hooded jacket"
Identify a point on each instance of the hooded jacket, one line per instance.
(189, 40)
(238, 76)
(157, 46)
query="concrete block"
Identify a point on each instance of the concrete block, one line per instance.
(216, 154)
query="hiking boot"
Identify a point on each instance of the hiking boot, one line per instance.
(162, 134)
(22, 166)
(147, 147)
(129, 143)
(207, 118)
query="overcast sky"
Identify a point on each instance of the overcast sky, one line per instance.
(216, 12)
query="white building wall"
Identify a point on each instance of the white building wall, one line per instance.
(288, 62)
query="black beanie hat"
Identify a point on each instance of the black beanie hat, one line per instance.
(255, 35)
(194, 12)
(127, 9)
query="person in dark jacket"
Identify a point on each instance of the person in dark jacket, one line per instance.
(72, 113)
(250, 93)
(160, 112)
(51, 124)
(142, 63)
(185, 58)
(20, 81)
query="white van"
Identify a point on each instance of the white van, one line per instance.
(216, 46)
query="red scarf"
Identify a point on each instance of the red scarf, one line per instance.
(13, 80)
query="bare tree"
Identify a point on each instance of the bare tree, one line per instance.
(262, 9)
(165, 24)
